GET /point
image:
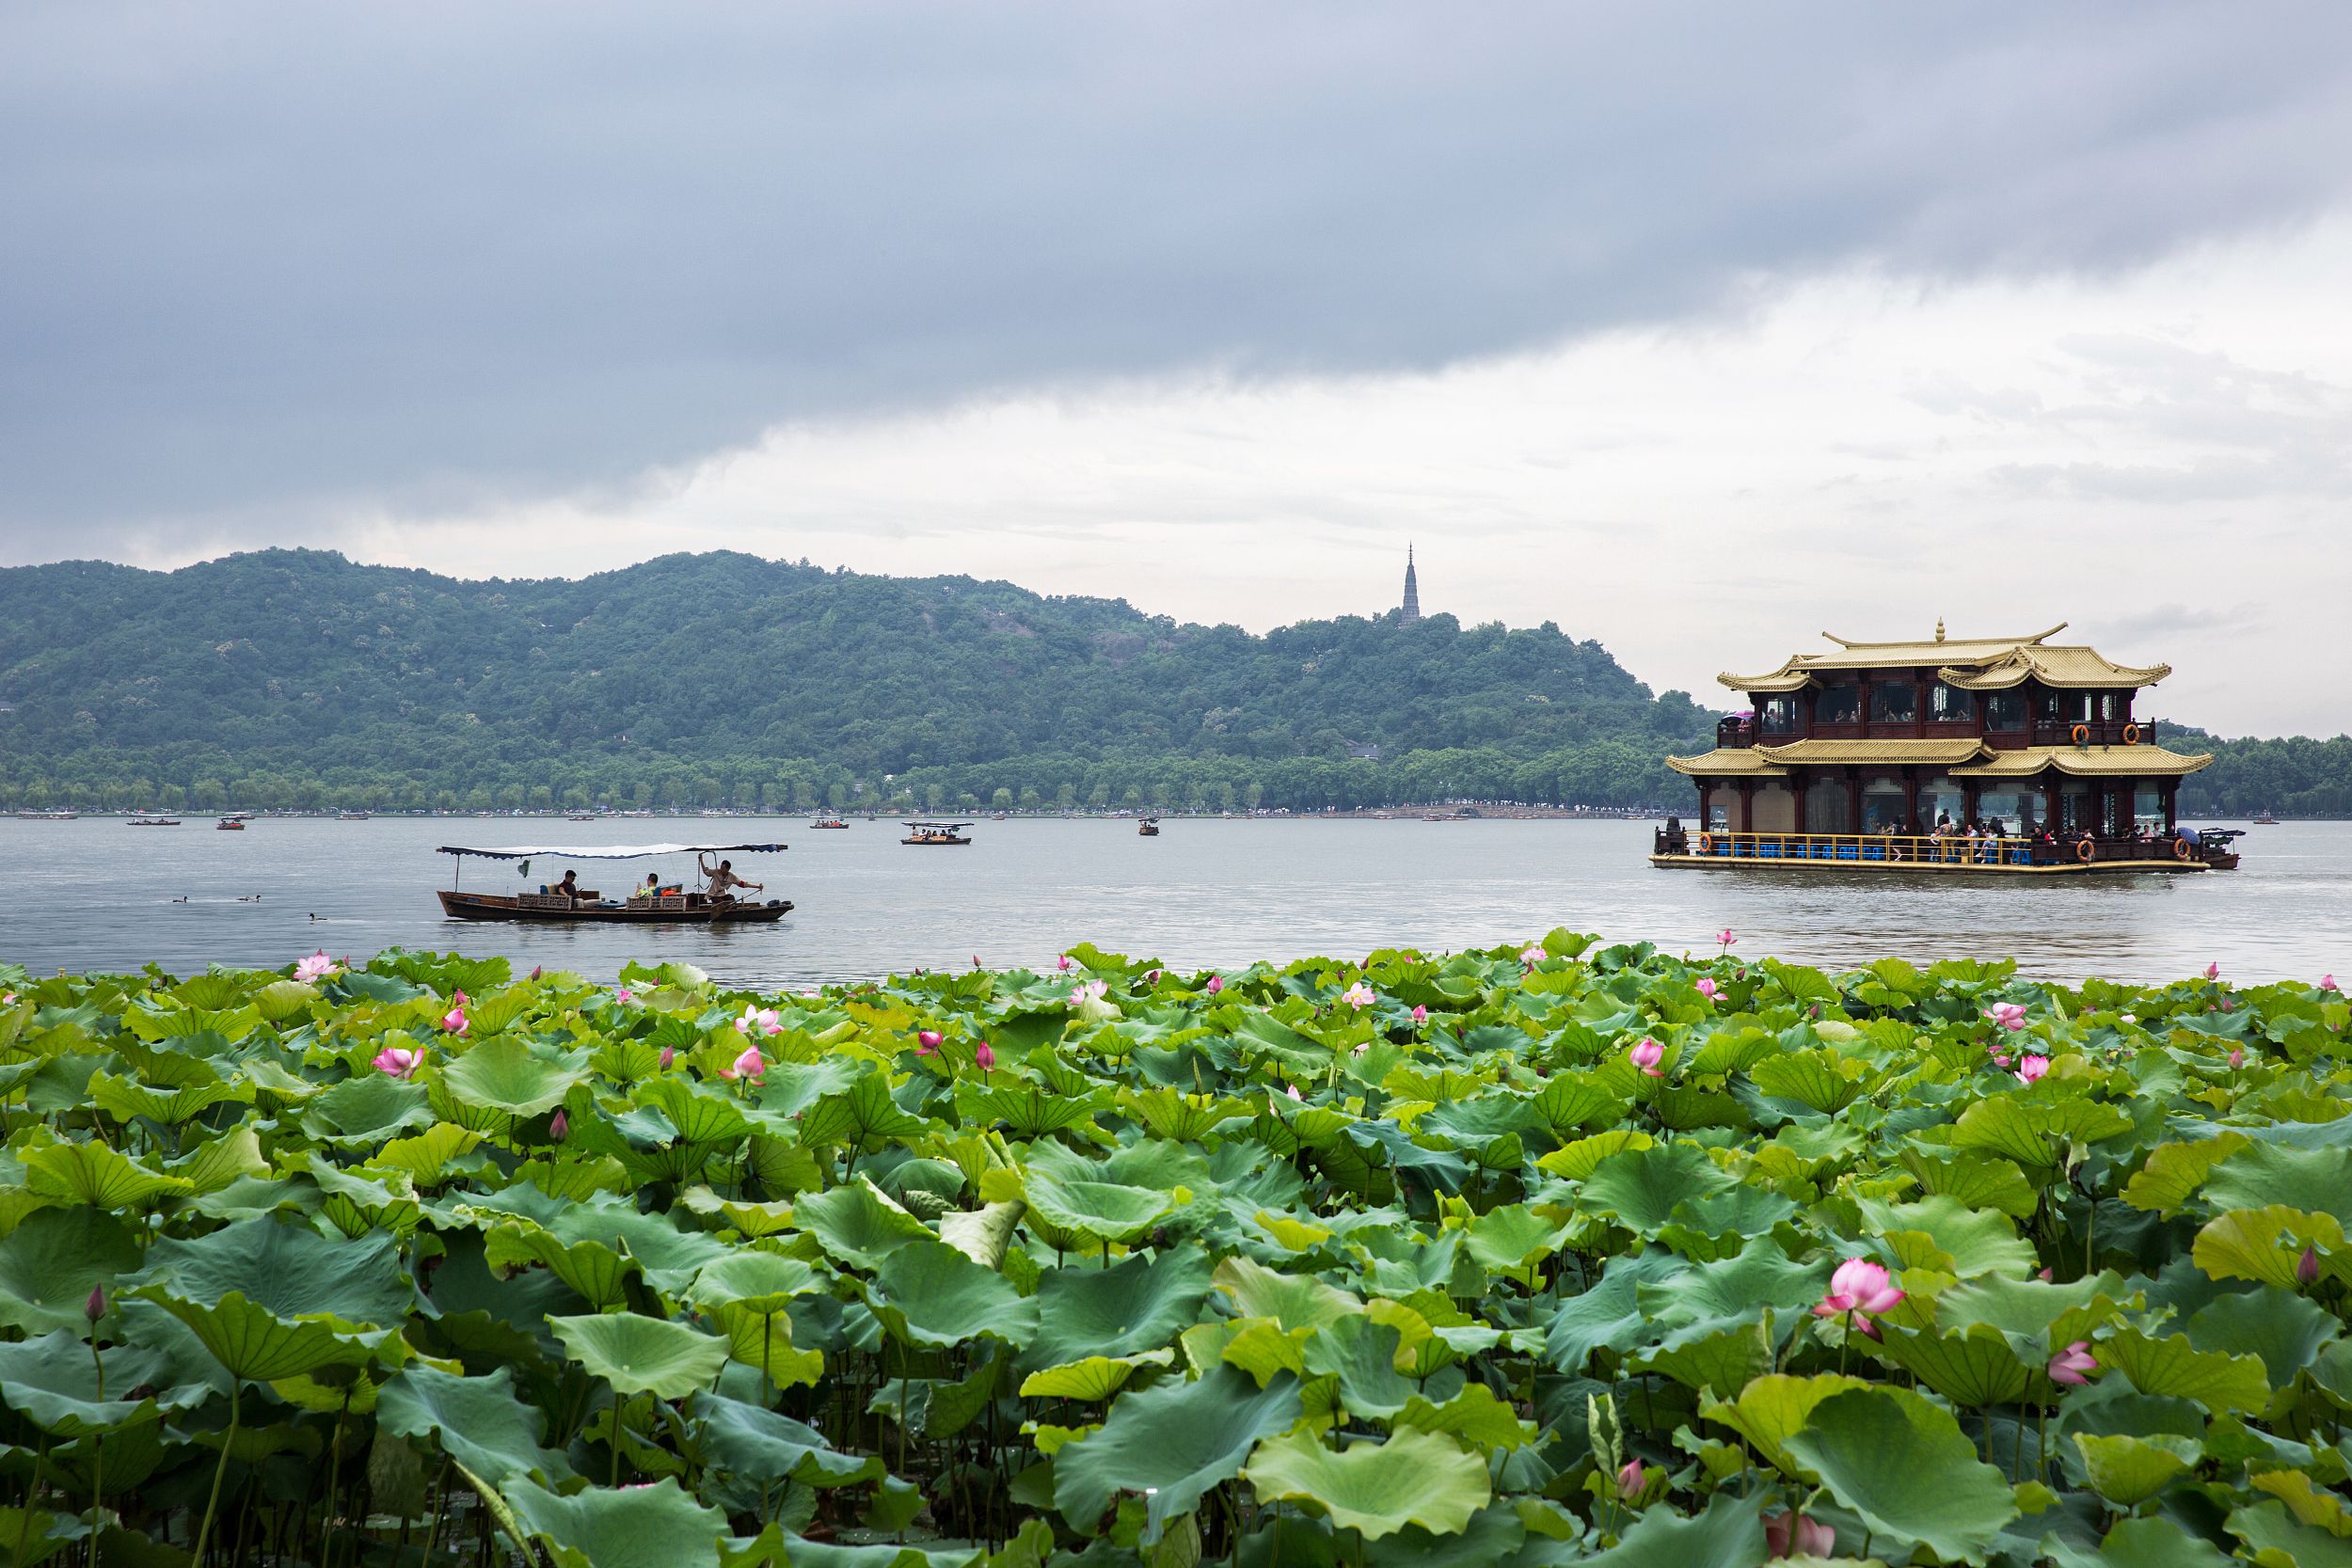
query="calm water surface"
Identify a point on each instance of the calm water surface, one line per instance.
(97, 894)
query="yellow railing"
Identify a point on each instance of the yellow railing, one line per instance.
(1888, 848)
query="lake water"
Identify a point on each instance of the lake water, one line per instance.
(98, 894)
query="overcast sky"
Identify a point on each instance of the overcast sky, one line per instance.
(1698, 330)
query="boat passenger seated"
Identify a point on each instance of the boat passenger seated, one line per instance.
(569, 887)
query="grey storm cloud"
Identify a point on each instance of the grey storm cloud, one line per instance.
(264, 258)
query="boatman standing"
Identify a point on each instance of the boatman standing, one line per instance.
(722, 877)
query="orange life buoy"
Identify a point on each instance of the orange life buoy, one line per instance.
(2085, 851)
(2131, 735)
(2181, 850)
(2082, 735)
(1706, 844)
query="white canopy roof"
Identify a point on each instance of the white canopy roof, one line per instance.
(608, 851)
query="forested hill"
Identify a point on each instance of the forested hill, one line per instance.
(291, 677)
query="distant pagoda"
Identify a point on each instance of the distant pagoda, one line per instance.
(1411, 611)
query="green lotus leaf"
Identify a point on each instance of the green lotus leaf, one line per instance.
(2173, 1172)
(641, 1356)
(128, 1098)
(1973, 1367)
(1513, 1237)
(1091, 1380)
(54, 1258)
(1729, 1534)
(287, 1270)
(1171, 1443)
(2173, 1367)
(1902, 1465)
(2127, 1471)
(501, 1073)
(1093, 1213)
(1473, 1415)
(762, 1281)
(96, 1174)
(763, 1340)
(1494, 1534)
(745, 1218)
(363, 1112)
(425, 1158)
(1606, 1316)
(1820, 1080)
(1771, 1409)
(2284, 1329)
(1414, 1478)
(1760, 1274)
(628, 1528)
(1977, 1181)
(857, 1225)
(54, 1383)
(2267, 1244)
(746, 1440)
(984, 1233)
(2156, 1543)
(928, 1294)
(2273, 1536)
(1137, 1306)
(2028, 1310)
(863, 1116)
(1977, 1241)
(595, 1272)
(1640, 1188)
(1574, 1161)
(253, 1344)
(1294, 1301)
(1361, 1355)
(478, 1421)
(2316, 1181)
(1707, 1357)
(2006, 1125)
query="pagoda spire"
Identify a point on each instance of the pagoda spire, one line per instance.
(1412, 592)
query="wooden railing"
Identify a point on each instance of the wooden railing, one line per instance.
(1913, 848)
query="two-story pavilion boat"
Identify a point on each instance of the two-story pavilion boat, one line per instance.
(2002, 755)
(937, 833)
(666, 906)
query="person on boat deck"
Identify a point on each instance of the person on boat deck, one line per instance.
(723, 877)
(653, 886)
(570, 886)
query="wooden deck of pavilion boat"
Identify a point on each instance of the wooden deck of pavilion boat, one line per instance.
(678, 908)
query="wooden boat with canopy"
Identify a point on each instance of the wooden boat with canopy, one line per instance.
(937, 833)
(668, 905)
(2008, 756)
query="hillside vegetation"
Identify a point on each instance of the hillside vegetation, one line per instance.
(292, 677)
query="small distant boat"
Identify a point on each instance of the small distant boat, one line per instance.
(154, 822)
(936, 832)
(829, 819)
(2264, 819)
(48, 816)
(1149, 827)
(231, 824)
(582, 816)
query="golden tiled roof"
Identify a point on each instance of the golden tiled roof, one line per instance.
(1979, 664)
(2103, 762)
(1741, 761)
(1835, 752)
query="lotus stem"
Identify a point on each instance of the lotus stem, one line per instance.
(227, 1441)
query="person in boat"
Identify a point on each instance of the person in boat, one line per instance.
(722, 877)
(569, 887)
(653, 886)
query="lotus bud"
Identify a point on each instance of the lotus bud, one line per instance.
(2238, 1058)
(985, 1057)
(560, 1128)
(1630, 1481)
(2307, 1267)
(1217, 983)
(95, 1307)
(1420, 1015)
(926, 1041)
(536, 971)
(668, 1056)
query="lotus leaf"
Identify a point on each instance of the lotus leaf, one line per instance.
(54, 1258)
(641, 1356)
(1377, 1489)
(1902, 1465)
(478, 1421)
(504, 1074)
(656, 1524)
(1171, 1442)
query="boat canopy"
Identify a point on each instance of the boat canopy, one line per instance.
(609, 851)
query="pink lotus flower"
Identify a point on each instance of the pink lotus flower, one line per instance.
(1420, 1015)
(1151, 976)
(1358, 995)
(1630, 1481)
(2238, 1057)
(984, 1056)
(1087, 991)
(1533, 955)
(560, 1128)
(1725, 938)
(624, 996)
(399, 1061)
(1217, 983)
(316, 967)
(1293, 1091)
(2212, 970)
(1707, 988)
(2128, 1018)
(454, 1021)
(1794, 1535)
(927, 1041)
(2328, 982)
(1858, 1290)
(668, 1056)
(2000, 1057)
(8, 1000)
(2073, 1365)
(765, 1020)
(2030, 1068)
(1646, 1056)
(2009, 1015)
(1063, 963)
(751, 1065)
(2307, 1267)
(457, 997)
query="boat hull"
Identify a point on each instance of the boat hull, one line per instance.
(491, 906)
(1906, 867)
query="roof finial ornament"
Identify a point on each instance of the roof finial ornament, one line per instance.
(1939, 629)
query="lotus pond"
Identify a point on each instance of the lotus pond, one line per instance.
(1547, 1254)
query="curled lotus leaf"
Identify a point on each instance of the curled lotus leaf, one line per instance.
(641, 1356)
(1171, 1442)
(1377, 1489)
